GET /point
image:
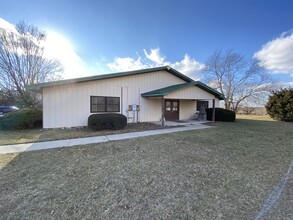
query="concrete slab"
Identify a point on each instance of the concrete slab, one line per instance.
(5, 149)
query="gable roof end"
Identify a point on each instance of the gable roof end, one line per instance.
(166, 90)
(169, 89)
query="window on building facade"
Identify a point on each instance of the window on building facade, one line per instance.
(105, 104)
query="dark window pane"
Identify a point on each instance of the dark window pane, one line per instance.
(101, 100)
(175, 106)
(94, 108)
(113, 104)
(168, 106)
(94, 100)
(113, 101)
(101, 108)
(113, 108)
(105, 104)
(98, 100)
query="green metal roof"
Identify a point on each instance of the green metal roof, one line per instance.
(169, 89)
(154, 93)
(166, 90)
(38, 87)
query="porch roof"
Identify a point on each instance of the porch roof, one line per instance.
(169, 89)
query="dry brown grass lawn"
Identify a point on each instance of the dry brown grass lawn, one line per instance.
(255, 117)
(225, 172)
(35, 135)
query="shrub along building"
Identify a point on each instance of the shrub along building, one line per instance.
(147, 95)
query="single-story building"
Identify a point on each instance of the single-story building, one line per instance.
(147, 95)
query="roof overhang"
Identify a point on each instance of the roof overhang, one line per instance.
(38, 87)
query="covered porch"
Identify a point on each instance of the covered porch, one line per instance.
(182, 101)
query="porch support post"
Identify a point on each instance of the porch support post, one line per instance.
(214, 111)
(163, 112)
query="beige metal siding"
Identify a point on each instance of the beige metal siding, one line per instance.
(69, 105)
(217, 104)
(190, 93)
(187, 109)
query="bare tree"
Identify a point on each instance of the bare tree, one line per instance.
(22, 61)
(248, 110)
(7, 98)
(238, 78)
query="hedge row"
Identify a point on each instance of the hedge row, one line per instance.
(107, 121)
(221, 114)
(21, 119)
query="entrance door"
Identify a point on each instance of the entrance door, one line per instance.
(172, 109)
(205, 104)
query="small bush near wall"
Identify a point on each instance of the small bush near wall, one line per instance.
(107, 121)
(22, 119)
(221, 114)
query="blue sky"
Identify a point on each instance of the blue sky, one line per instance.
(95, 37)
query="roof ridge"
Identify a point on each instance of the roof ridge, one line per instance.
(169, 69)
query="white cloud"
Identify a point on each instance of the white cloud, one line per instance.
(7, 26)
(286, 84)
(277, 55)
(154, 58)
(56, 46)
(189, 66)
(126, 64)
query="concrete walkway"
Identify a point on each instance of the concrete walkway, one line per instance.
(15, 148)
